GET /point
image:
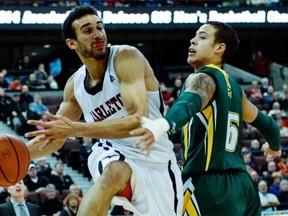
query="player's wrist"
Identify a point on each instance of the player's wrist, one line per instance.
(158, 127)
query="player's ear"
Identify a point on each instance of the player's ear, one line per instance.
(71, 43)
(220, 48)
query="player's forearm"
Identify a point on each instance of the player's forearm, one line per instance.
(108, 129)
(270, 130)
(183, 110)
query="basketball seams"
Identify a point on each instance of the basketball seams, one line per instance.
(17, 156)
(20, 153)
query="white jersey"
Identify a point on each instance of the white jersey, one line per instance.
(104, 102)
(156, 180)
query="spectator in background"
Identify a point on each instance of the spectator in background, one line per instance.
(268, 98)
(3, 83)
(271, 168)
(268, 200)
(25, 63)
(59, 178)
(36, 108)
(275, 110)
(283, 91)
(33, 181)
(255, 177)
(249, 160)
(260, 65)
(283, 165)
(277, 98)
(264, 85)
(275, 186)
(41, 74)
(5, 106)
(34, 84)
(176, 88)
(74, 189)
(167, 95)
(43, 167)
(18, 120)
(17, 203)
(16, 84)
(254, 93)
(25, 98)
(280, 121)
(26, 66)
(45, 78)
(51, 205)
(8, 78)
(283, 195)
(72, 206)
(255, 148)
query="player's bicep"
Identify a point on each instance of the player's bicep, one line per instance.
(203, 85)
(70, 107)
(250, 111)
(130, 67)
(134, 97)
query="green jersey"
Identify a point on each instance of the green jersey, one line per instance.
(213, 137)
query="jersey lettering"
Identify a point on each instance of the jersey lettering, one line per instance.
(107, 109)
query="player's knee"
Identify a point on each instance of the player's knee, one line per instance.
(120, 170)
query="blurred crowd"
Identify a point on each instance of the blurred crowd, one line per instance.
(50, 190)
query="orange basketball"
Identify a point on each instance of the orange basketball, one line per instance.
(14, 160)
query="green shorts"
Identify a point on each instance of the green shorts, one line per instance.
(226, 193)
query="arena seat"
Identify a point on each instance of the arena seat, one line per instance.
(71, 151)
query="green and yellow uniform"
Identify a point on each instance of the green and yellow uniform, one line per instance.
(212, 142)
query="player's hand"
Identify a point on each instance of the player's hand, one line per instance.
(269, 153)
(145, 137)
(150, 131)
(57, 128)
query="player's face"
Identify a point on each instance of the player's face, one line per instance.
(202, 48)
(91, 37)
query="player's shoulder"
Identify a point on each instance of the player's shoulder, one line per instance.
(200, 81)
(126, 50)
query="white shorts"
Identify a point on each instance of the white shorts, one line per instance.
(157, 188)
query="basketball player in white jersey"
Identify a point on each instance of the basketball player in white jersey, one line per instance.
(113, 84)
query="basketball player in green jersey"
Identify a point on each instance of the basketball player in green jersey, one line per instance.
(211, 109)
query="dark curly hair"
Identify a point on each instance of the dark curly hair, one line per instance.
(67, 30)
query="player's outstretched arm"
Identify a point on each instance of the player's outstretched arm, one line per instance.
(266, 126)
(59, 127)
(199, 91)
(41, 144)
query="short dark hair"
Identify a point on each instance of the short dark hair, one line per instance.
(225, 34)
(67, 30)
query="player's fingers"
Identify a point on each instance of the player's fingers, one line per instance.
(33, 122)
(138, 142)
(52, 116)
(35, 133)
(137, 132)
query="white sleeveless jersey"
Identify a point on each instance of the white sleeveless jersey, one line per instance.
(105, 103)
